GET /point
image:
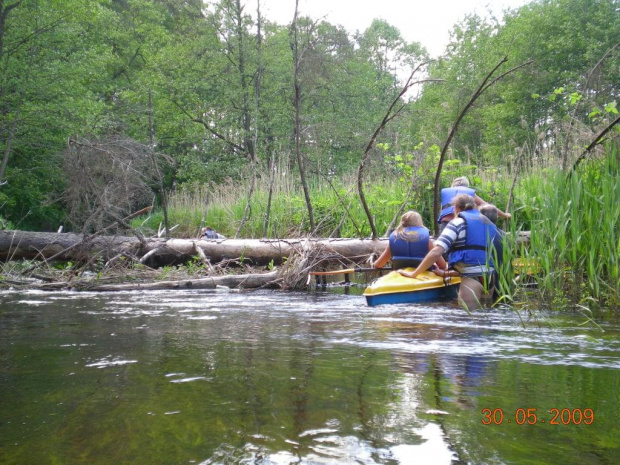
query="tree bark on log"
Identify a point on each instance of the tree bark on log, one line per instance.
(244, 281)
(17, 245)
(156, 252)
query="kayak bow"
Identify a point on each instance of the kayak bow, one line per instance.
(394, 288)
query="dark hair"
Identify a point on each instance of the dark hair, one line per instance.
(463, 202)
(490, 211)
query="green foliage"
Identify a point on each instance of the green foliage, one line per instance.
(566, 41)
(200, 86)
(575, 223)
(210, 93)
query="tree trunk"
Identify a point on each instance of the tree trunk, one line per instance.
(160, 178)
(17, 245)
(247, 281)
(271, 165)
(297, 125)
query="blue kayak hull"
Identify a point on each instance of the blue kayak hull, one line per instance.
(395, 289)
(448, 292)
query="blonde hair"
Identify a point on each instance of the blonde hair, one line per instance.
(462, 182)
(411, 218)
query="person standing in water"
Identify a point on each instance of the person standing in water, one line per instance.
(468, 240)
(459, 186)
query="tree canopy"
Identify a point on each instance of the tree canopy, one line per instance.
(214, 90)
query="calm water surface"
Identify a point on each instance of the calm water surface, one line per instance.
(280, 378)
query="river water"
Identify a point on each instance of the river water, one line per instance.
(266, 377)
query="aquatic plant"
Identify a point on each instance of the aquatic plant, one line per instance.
(575, 223)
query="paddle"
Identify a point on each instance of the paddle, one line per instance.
(347, 271)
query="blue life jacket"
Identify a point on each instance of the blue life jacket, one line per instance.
(446, 198)
(210, 234)
(409, 247)
(480, 236)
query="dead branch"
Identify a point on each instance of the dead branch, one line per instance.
(341, 200)
(203, 257)
(389, 115)
(108, 178)
(483, 86)
(597, 140)
(245, 281)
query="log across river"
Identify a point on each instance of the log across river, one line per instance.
(301, 255)
(160, 251)
(17, 245)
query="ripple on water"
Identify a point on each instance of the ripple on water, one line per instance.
(189, 380)
(109, 362)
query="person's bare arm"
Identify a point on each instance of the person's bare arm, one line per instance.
(479, 202)
(446, 273)
(433, 256)
(441, 263)
(383, 258)
(501, 214)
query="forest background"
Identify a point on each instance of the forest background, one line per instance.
(214, 115)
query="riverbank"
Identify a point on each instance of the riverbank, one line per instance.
(574, 221)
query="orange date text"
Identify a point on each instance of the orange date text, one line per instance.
(532, 416)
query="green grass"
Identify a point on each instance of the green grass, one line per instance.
(574, 221)
(336, 206)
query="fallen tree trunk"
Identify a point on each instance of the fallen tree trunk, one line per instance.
(156, 252)
(17, 245)
(243, 281)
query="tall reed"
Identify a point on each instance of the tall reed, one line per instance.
(575, 223)
(335, 200)
(574, 220)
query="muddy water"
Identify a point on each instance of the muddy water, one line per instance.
(281, 378)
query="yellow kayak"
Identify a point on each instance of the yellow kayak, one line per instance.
(394, 288)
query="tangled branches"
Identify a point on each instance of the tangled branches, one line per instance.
(307, 257)
(107, 179)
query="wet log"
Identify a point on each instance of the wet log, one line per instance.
(156, 252)
(244, 281)
(16, 245)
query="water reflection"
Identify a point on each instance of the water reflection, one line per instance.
(270, 378)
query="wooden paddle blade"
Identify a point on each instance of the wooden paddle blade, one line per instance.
(346, 271)
(333, 272)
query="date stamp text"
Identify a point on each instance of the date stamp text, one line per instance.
(533, 416)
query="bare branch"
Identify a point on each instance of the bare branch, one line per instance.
(238, 149)
(483, 86)
(386, 119)
(597, 140)
(578, 104)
